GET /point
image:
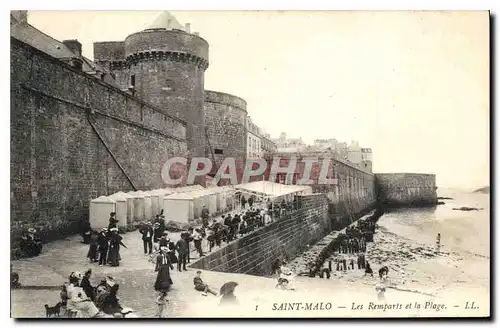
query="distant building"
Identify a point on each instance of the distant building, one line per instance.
(285, 144)
(366, 159)
(354, 153)
(254, 143)
(325, 144)
(267, 145)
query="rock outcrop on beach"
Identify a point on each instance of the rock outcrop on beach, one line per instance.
(464, 208)
(484, 190)
(445, 198)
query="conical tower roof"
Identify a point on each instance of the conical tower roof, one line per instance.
(165, 21)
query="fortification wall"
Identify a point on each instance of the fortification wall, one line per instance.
(71, 136)
(254, 253)
(353, 192)
(225, 119)
(290, 235)
(406, 189)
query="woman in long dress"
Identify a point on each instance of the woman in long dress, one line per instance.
(163, 267)
(79, 304)
(115, 241)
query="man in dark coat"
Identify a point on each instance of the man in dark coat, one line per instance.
(234, 226)
(183, 251)
(205, 214)
(85, 231)
(228, 223)
(87, 286)
(103, 243)
(147, 237)
(112, 221)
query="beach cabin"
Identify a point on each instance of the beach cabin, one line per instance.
(188, 188)
(148, 213)
(100, 210)
(157, 196)
(138, 206)
(121, 208)
(178, 207)
(206, 197)
(130, 206)
(274, 192)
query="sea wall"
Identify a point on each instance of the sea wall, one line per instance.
(352, 192)
(406, 189)
(74, 138)
(288, 236)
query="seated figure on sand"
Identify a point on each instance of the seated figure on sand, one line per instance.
(286, 278)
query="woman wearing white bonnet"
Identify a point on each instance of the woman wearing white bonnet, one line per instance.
(78, 301)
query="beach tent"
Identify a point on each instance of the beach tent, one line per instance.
(178, 207)
(121, 208)
(224, 197)
(190, 204)
(130, 206)
(206, 197)
(148, 214)
(99, 211)
(272, 191)
(138, 206)
(188, 188)
(229, 196)
(157, 196)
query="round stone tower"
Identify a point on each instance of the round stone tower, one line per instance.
(167, 66)
(225, 119)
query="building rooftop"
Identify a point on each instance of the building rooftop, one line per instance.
(30, 35)
(165, 21)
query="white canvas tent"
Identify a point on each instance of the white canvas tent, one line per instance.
(147, 204)
(138, 205)
(188, 205)
(130, 206)
(206, 197)
(273, 191)
(178, 207)
(157, 196)
(99, 210)
(121, 208)
(188, 188)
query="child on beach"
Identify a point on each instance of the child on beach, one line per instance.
(161, 301)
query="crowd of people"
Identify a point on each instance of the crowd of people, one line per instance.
(79, 299)
(349, 250)
(31, 244)
(104, 246)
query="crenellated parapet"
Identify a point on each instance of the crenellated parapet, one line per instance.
(161, 55)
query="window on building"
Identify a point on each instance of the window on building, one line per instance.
(218, 151)
(132, 80)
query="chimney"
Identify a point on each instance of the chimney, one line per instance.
(20, 15)
(74, 46)
(187, 28)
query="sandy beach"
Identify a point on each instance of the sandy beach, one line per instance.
(405, 243)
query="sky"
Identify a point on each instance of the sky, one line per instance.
(413, 86)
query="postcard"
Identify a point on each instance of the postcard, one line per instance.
(250, 164)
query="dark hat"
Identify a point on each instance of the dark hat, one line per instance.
(165, 233)
(112, 213)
